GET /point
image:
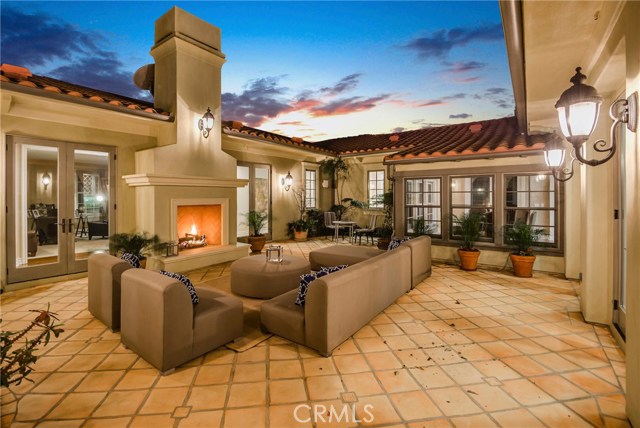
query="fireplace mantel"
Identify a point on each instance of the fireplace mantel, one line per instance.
(140, 180)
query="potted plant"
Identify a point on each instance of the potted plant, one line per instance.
(385, 232)
(19, 352)
(522, 236)
(468, 226)
(256, 221)
(301, 229)
(139, 244)
(420, 227)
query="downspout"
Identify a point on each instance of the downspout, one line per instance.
(512, 25)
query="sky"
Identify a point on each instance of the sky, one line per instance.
(315, 70)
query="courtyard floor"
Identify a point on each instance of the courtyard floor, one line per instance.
(462, 349)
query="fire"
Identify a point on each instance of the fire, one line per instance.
(194, 230)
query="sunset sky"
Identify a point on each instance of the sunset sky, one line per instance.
(315, 70)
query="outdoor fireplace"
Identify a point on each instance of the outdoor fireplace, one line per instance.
(199, 222)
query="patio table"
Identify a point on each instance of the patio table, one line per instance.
(348, 224)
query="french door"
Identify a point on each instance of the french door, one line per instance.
(620, 239)
(60, 198)
(255, 196)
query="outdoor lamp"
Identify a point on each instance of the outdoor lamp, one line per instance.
(46, 180)
(287, 181)
(206, 123)
(578, 109)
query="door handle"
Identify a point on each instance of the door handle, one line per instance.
(70, 226)
(63, 225)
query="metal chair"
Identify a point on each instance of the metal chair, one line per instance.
(367, 231)
(329, 218)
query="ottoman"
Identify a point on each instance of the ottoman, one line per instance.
(253, 276)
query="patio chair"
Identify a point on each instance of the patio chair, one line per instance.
(329, 218)
(367, 231)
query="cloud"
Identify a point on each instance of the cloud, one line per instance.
(37, 40)
(430, 103)
(463, 67)
(293, 123)
(496, 91)
(460, 116)
(457, 96)
(439, 43)
(398, 129)
(262, 99)
(500, 97)
(345, 84)
(347, 105)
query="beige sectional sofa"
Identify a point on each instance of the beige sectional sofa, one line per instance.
(349, 255)
(339, 304)
(105, 272)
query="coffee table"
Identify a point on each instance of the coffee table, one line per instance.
(253, 276)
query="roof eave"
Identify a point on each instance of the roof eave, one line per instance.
(323, 152)
(83, 101)
(455, 158)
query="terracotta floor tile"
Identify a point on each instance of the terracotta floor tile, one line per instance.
(220, 356)
(121, 403)
(558, 387)
(283, 352)
(77, 405)
(376, 410)
(247, 394)
(182, 376)
(207, 397)
(117, 362)
(67, 423)
(453, 401)
(318, 367)
(253, 355)
(557, 415)
(588, 409)
(517, 418)
(415, 405)
(164, 399)
(463, 374)
(254, 417)
(362, 384)
(58, 382)
(490, 398)
(527, 393)
(285, 369)
(100, 381)
(525, 366)
(613, 405)
(584, 359)
(289, 415)
(254, 372)
(433, 423)
(411, 358)
(152, 421)
(590, 383)
(397, 380)
(213, 374)
(472, 352)
(108, 423)
(371, 344)
(34, 406)
(351, 363)
(346, 348)
(383, 360)
(475, 421)
(138, 379)
(287, 391)
(208, 419)
(496, 369)
(324, 387)
(500, 349)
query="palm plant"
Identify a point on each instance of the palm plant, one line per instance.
(256, 221)
(522, 236)
(138, 244)
(468, 226)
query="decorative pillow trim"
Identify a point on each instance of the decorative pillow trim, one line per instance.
(395, 242)
(187, 283)
(333, 269)
(132, 259)
(305, 281)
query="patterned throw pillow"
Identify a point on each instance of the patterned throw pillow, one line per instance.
(305, 280)
(132, 259)
(187, 283)
(333, 269)
(395, 242)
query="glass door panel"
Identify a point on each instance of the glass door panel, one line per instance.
(262, 194)
(243, 202)
(256, 196)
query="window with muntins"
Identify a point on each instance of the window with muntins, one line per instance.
(474, 194)
(531, 199)
(375, 181)
(423, 201)
(310, 185)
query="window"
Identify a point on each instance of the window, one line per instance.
(310, 186)
(474, 194)
(423, 202)
(531, 199)
(375, 181)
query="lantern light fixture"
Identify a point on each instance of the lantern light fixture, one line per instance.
(287, 181)
(46, 180)
(578, 109)
(206, 123)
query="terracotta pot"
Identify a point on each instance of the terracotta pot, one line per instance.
(522, 265)
(257, 243)
(468, 259)
(300, 236)
(9, 406)
(143, 263)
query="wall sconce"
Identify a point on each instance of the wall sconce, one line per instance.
(46, 180)
(206, 123)
(287, 181)
(578, 109)
(325, 184)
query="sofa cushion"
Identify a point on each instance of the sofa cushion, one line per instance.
(305, 281)
(341, 254)
(187, 283)
(395, 242)
(283, 317)
(132, 259)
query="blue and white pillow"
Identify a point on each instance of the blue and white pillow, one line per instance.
(395, 242)
(305, 281)
(132, 259)
(333, 269)
(187, 283)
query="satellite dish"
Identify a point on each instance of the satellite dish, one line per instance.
(144, 77)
